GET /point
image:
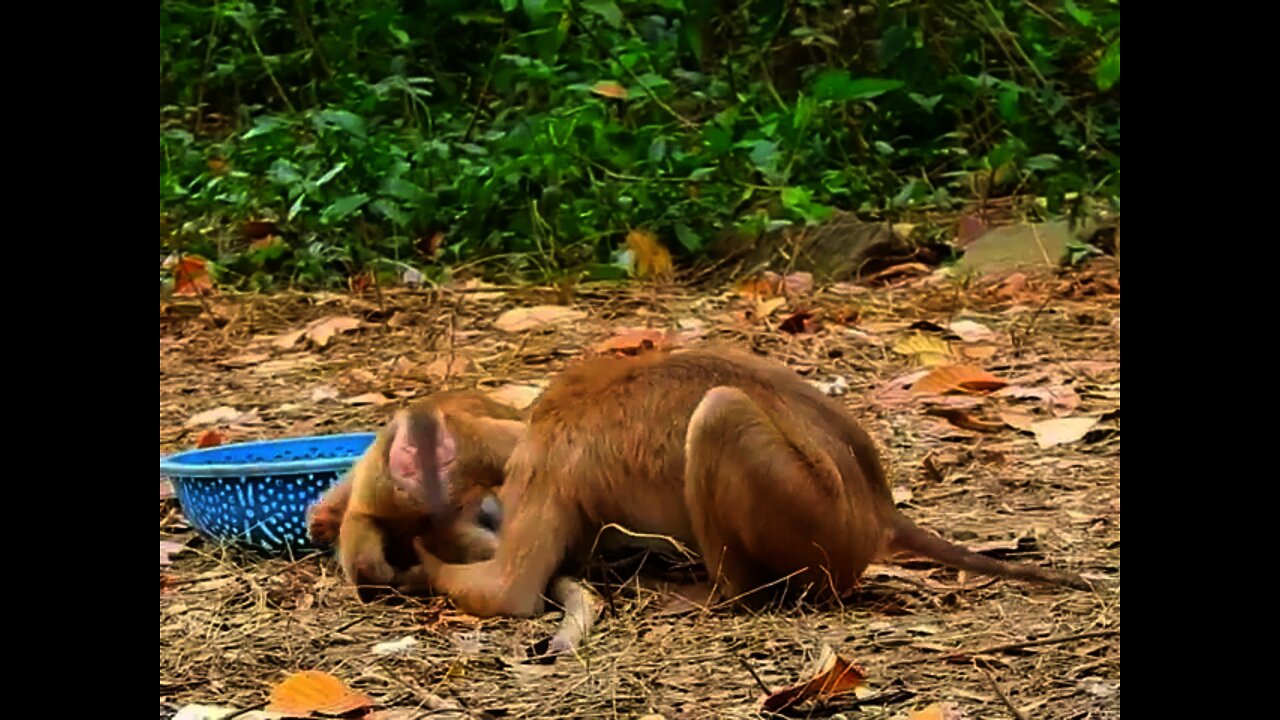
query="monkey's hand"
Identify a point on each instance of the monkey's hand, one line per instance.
(413, 581)
(373, 569)
(430, 564)
(323, 523)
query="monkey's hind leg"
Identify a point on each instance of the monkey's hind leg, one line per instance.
(764, 505)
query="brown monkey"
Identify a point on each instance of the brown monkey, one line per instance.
(425, 476)
(768, 477)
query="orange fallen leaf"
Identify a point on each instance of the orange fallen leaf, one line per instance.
(289, 339)
(209, 438)
(649, 258)
(834, 675)
(191, 276)
(962, 378)
(1018, 420)
(610, 89)
(312, 691)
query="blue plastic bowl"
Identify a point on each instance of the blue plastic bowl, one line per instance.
(258, 493)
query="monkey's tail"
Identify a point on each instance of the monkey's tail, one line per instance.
(909, 536)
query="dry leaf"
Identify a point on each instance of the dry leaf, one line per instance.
(610, 89)
(320, 331)
(631, 341)
(1018, 420)
(258, 229)
(373, 398)
(770, 284)
(834, 676)
(214, 712)
(961, 378)
(167, 550)
(962, 419)
(939, 711)
(1061, 399)
(166, 489)
(191, 276)
(403, 366)
(323, 393)
(968, 229)
(765, 308)
(1062, 430)
(224, 414)
(289, 339)
(517, 396)
(444, 367)
(312, 691)
(970, 331)
(521, 319)
(800, 321)
(649, 259)
(395, 647)
(928, 349)
(209, 438)
(978, 352)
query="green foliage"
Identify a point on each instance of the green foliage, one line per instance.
(367, 128)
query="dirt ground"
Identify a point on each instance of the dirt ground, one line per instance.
(233, 624)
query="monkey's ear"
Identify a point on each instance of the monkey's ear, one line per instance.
(419, 457)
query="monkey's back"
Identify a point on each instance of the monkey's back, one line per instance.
(611, 433)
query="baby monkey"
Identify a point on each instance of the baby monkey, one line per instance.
(427, 477)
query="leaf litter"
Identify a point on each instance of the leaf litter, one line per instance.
(247, 609)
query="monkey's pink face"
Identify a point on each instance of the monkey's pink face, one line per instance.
(423, 479)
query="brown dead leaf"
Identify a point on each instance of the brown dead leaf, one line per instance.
(649, 259)
(323, 393)
(834, 675)
(632, 341)
(289, 339)
(517, 396)
(403, 366)
(1061, 399)
(927, 349)
(1062, 430)
(522, 319)
(442, 368)
(312, 691)
(800, 321)
(770, 284)
(960, 378)
(320, 331)
(209, 438)
(896, 392)
(903, 270)
(764, 308)
(259, 229)
(373, 398)
(166, 489)
(610, 89)
(964, 420)
(191, 276)
(939, 711)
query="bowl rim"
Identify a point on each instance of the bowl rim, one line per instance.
(174, 466)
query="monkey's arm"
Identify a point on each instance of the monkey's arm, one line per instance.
(324, 518)
(360, 550)
(530, 548)
(466, 542)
